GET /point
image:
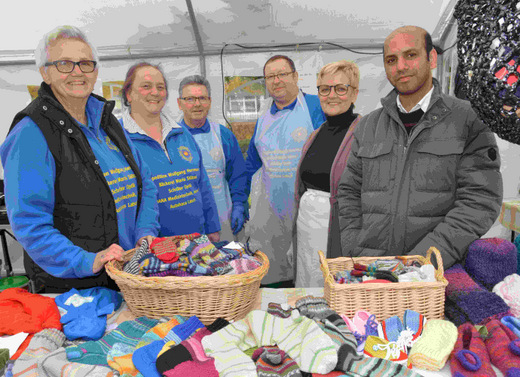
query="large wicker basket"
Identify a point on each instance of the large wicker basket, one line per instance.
(384, 300)
(207, 297)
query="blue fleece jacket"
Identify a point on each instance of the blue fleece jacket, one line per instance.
(185, 196)
(236, 174)
(29, 174)
(253, 160)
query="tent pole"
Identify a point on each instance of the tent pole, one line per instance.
(198, 39)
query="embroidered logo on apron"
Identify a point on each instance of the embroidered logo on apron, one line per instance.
(185, 154)
(300, 134)
(216, 153)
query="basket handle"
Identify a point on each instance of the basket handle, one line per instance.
(439, 272)
(324, 267)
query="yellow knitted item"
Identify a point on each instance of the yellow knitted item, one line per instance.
(434, 346)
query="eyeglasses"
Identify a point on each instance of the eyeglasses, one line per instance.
(67, 66)
(281, 76)
(340, 89)
(191, 100)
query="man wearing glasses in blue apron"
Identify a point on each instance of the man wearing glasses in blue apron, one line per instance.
(272, 158)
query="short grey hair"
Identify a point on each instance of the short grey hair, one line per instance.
(41, 54)
(194, 79)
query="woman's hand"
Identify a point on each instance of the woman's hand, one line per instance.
(114, 251)
(149, 239)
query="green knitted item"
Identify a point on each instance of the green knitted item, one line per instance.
(4, 356)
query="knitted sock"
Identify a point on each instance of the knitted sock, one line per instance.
(132, 267)
(509, 290)
(376, 367)
(181, 332)
(159, 331)
(346, 342)
(469, 357)
(190, 350)
(490, 260)
(41, 344)
(119, 357)
(300, 337)
(314, 307)
(434, 346)
(512, 323)
(504, 348)
(56, 364)
(467, 301)
(272, 361)
(244, 264)
(279, 310)
(95, 352)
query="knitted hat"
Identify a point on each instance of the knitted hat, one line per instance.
(469, 357)
(504, 348)
(467, 301)
(509, 290)
(490, 260)
(434, 346)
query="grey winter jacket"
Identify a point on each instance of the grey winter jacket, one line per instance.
(440, 186)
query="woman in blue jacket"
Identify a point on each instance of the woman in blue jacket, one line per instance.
(185, 197)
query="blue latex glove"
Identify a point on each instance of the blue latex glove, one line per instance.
(238, 217)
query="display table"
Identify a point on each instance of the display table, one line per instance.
(280, 296)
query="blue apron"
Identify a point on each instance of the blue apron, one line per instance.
(279, 140)
(215, 164)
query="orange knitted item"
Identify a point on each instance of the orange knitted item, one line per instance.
(22, 311)
(165, 248)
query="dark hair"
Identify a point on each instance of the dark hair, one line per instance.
(130, 77)
(278, 57)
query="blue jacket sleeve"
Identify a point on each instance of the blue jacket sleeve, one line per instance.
(29, 174)
(236, 174)
(147, 223)
(253, 160)
(315, 110)
(211, 219)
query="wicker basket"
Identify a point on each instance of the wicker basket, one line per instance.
(384, 300)
(207, 297)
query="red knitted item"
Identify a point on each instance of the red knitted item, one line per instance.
(504, 348)
(165, 248)
(22, 311)
(463, 362)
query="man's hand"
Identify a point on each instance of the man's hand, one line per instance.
(214, 237)
(149, 239)
(238, 218)
(114, 251)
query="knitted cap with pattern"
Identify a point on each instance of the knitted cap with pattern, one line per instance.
(434, 346)
(490, 260)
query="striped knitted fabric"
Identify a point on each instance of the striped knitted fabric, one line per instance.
(504, 348)
(150, 264)
(316, 308)
(181, 332)
(434, 346)
(272, 362)
(132, 267)
(279, 310)
(376, 367)
(56, 364)
(168, 249)
(467, 301)
(43, 343)
(300, 337)
(95, 352)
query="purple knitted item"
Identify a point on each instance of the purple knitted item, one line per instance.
(467, 301)
(490, 260)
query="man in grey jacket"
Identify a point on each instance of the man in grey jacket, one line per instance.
(424, 170)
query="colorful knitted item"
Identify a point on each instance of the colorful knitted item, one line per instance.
(243, 265)
(512, 323)
(434, 346)
(467, 301)
(43, 343)
(150, 264)
(490, 260)
(298, 336)
(517, 244)
(221, 267)
(84, 312)
(470, 357)
(168, 249)
(279, 310)
(314, 307)
(509, 290)
(95, 352)
(4, 357)
(392, 265)
(271, 362)
(56, 364)
(132, 266)
(504, 348)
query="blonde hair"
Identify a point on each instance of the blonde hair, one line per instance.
(347, 67)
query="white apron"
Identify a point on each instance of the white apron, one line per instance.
(312, 227)
(279, 140)
(215, 164)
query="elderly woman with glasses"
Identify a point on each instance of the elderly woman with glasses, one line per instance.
(185, 197)
(77, 191)
(324, 157)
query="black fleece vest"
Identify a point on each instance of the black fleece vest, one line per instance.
(84, 210)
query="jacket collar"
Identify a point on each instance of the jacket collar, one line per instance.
(169, 125)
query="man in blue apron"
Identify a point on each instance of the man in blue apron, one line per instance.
(272, 158)
(221, 155)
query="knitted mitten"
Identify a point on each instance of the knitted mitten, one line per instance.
(41, 345)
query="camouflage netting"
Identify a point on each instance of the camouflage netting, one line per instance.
(488, 55)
